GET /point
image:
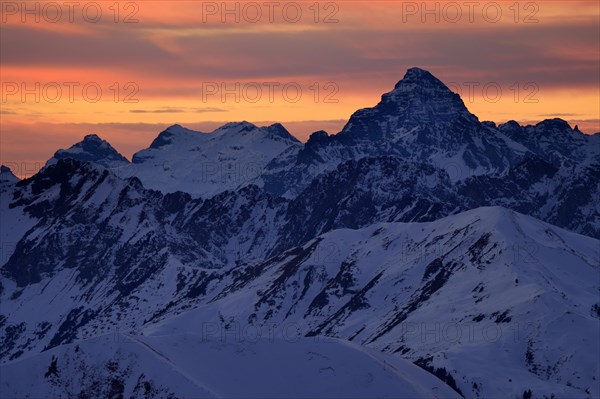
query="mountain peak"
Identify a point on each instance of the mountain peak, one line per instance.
(92, 138)
(423, 98)
(206, 164)
(554, 124)
(418, 100)
(243, 125)
(511, 124)
(419, 78)
(4, 169)
(175, 127)
(277, 130)
(318, 138)
(91, 149)
(418, 75)
(168, 135)
(6, 175)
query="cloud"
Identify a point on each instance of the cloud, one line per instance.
(560, 115)
(22, 45)
(170, 54)
(177, 110)
(553, 55)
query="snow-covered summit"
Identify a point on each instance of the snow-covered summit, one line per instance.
(236, 130)
(169, 136)
(555, 141)
(91, 149)
(204, 164)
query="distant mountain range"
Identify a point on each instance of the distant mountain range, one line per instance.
(417, 233)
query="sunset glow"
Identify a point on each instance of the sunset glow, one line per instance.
(308, 65)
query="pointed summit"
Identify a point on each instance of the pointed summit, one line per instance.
(174, 128)
(91, 149)
(277, 130)
(419, 100)
(419, 76)
(425, 97)
(417, 81)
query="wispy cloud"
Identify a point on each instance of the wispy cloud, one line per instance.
(170, 54)
(177, 110)
(560, 115)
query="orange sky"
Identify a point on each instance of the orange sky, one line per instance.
(126, 75)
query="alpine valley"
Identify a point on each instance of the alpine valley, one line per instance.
(417, 253)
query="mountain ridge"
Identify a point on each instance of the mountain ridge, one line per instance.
(418, 214)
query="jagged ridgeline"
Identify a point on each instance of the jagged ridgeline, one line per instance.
(417, 234)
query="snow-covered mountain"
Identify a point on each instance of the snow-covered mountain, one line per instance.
(374, 189)
(398, 233)
(555, 141)
(549, 171)
(117, 257)
(91, 149)
(494, 302)
(206, 164)
(420, 120)
(565, 196)
(201, 164)
(114, 253)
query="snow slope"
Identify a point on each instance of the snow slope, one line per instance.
(494, 302)
(204, 164)
(190, 366)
